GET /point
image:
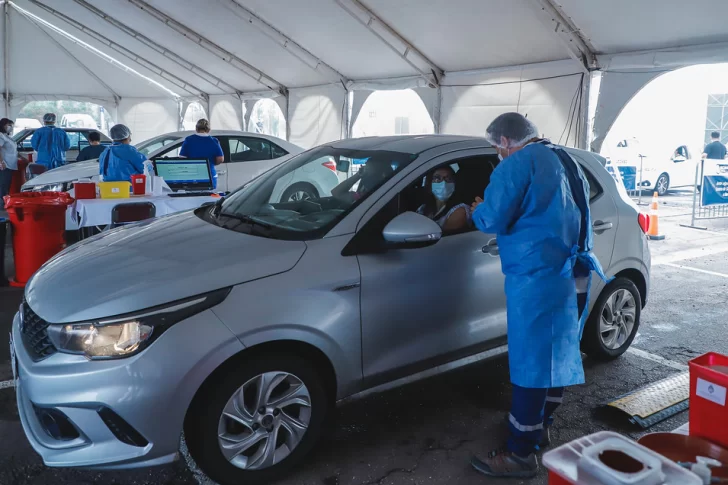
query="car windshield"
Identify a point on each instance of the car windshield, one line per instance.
(153, 144)
(278, 205)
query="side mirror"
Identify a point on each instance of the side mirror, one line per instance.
(343, 166)
(411, 230)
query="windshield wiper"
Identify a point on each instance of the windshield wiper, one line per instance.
(245, 218)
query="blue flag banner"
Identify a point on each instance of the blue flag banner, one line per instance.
(714, 190)
(629, 176)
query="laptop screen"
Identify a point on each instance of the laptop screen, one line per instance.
(184, 173)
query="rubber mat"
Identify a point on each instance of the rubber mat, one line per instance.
(655, 402)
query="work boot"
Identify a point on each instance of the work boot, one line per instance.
(502, 463)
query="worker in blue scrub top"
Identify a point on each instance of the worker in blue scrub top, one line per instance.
(537, 205)
(121, 160)
(51, 143)
(202, 145)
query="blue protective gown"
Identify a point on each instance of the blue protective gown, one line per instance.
(529, 206)
(51, 143)
(119, 162)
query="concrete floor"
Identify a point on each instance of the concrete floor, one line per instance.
(425, 433)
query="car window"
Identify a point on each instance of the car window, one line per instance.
(172, 151)
(247, 149)
(595, 190)
(154, 144)
(252, 208)
(276, 151)
(74, 136)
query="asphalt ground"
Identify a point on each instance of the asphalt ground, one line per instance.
(425, 432)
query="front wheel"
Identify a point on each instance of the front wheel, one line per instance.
(613, 322)
(298, 192)
(253, 423)
(662, 185)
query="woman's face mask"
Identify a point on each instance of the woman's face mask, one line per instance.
(443, 190)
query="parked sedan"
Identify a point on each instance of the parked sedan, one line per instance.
(247, 321)
(247, 155)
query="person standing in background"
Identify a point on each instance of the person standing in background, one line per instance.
(715, 150)
(51, 143)
(94, 150)
(202, 145)
(8, 156)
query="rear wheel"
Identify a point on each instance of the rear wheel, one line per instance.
(614, 320)
(298, 192)
(256, 421)
(662, 185)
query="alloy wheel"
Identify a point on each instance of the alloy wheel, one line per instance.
(662, 185)
(298, 196)
(264, 420)
(618, 319)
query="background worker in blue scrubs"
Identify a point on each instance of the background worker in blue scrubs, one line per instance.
(537, 205)
(202, 145)
(121, 160)
(51, 143)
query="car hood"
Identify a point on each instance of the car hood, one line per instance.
(149, 264)
(66, 173)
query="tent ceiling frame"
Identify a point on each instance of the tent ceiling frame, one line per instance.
(227, 56)
(75, 59)
(181, 83)
(296, 49)
(577, 46)
(198, 71)
(430, 71)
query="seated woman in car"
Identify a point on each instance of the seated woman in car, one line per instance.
(441, 206)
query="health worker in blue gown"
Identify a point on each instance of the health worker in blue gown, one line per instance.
(121, 160)
(51, 143)
(537, 206)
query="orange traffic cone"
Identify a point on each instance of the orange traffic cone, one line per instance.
(653, 232)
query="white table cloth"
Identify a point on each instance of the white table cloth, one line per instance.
(97, 212)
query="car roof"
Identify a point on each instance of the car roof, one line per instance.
(286, 145)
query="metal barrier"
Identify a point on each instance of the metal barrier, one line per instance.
(704, 212)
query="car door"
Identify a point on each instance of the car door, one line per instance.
(432, 305)
(245, 159)
(603, 214)
(682, 173)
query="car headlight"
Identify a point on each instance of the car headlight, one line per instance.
(60, 187)
(126, 335)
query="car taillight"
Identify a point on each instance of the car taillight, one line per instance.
(644, 222)
(331, 165)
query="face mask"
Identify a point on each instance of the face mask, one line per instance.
(443, 190)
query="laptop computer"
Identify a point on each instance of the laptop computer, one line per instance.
(185, 176)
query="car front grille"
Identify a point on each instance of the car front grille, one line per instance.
(35, 334)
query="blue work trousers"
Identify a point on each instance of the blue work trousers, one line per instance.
(532, 409)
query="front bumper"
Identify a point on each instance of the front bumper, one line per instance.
(149, 392)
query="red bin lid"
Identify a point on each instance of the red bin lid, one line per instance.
(30, 199)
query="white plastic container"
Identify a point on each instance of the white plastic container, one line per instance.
(597, 460)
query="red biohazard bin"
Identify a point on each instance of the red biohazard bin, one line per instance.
(39, 225)
(708, 405)
(139, 184)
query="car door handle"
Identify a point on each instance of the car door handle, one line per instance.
(491, 248)
(601, 226)
(221, 172)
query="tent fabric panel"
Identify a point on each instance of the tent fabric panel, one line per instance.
(226, 112)
(625, 25)
(547, 95)
(330, 33)
(316, 115)
(149, 117)
(469, 34)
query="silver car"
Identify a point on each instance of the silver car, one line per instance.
(240, 325)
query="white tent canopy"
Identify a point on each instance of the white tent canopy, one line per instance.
(469, 60)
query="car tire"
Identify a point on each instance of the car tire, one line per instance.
(613, 321)
(299, 191)
(662, 185)
(205, 423)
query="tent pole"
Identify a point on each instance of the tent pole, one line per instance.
(235, 61)
(438, 112)
(288, 116)
(584, 138)
(180, 61)
(167, 76)
(6, 53)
